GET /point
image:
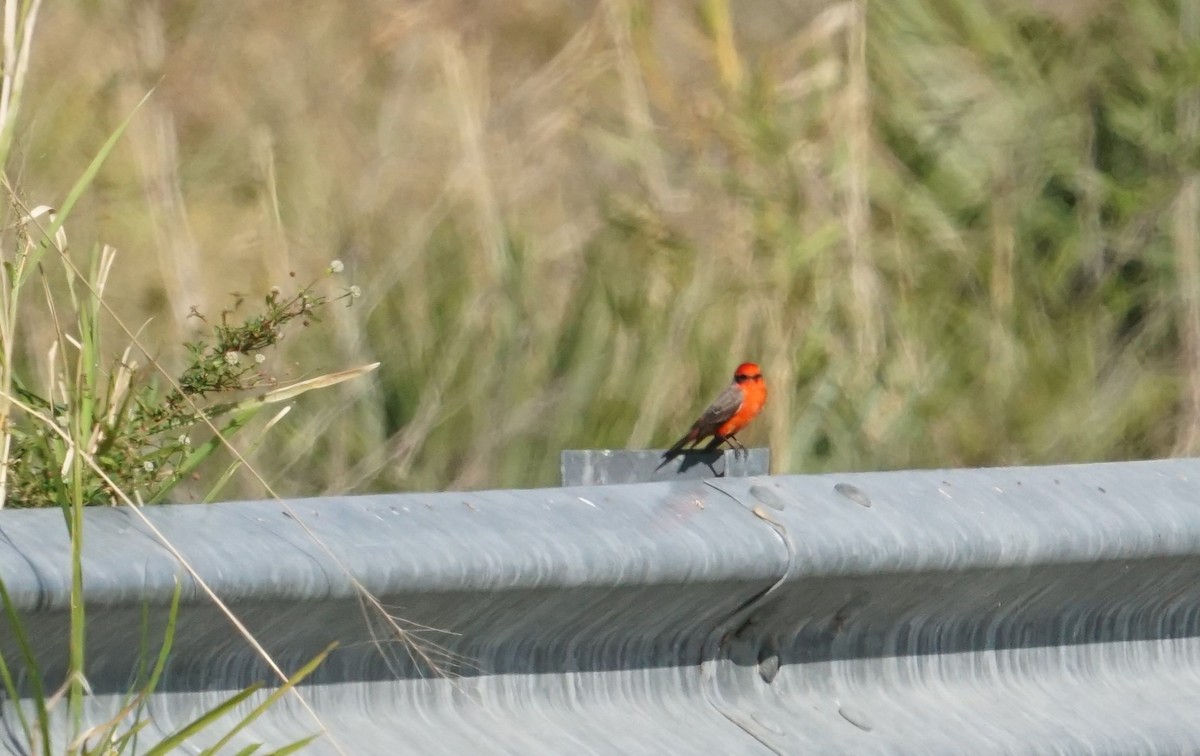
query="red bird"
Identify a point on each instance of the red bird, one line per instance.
(738, 404)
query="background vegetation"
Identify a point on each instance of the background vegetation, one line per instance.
(952, 232)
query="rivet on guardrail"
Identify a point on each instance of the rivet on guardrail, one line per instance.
(855, 717)
(853, 493)
(767, 496)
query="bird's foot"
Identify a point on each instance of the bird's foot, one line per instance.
(739, 451)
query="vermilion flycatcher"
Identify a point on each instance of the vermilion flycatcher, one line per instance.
(738, 404)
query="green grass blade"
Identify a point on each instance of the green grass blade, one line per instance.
(38, 693)
(215, 490)
(78, 622)
(270, 701)
(160, 664)
(294, 747)
(202, 452)
(180, 736)
(10, 687)
(120, 744)
(168, 640)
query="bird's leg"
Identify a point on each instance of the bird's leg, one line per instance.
(738, 449)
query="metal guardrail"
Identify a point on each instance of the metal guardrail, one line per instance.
(1052, 609)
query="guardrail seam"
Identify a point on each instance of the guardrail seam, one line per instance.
(733, 625)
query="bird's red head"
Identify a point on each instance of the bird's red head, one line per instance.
(747, 371)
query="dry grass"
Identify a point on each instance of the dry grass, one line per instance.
(951, 234)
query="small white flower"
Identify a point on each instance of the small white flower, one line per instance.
(355, 292)
(184, 440)
(260, 358)
(148, 466)
(336, 266)
(276, 291)
(231, 358)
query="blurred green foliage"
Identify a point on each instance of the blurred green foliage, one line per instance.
(953, 233)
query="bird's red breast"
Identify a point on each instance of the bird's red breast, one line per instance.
(748, 377)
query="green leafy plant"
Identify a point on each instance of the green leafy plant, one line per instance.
(139, 435)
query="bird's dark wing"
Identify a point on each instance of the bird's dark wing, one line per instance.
(722, 408)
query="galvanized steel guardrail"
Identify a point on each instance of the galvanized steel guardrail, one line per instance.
(1048, 609)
